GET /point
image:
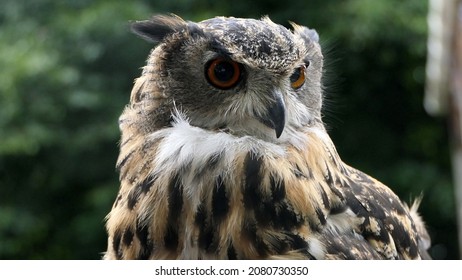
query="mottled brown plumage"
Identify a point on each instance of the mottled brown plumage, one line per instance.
(224, 155)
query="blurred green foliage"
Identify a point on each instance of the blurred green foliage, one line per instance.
(67, 68)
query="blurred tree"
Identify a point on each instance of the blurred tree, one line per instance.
(67, 70)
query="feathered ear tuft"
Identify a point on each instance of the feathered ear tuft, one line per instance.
(158, 27)
(309, 35)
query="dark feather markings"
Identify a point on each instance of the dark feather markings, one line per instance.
(338, 209)
(250, 232)
(127, 237)
(286, 218)
(264, 47)
(231, 253)
(334, 185)
(252, 193)
(328, 176)
(324, 197)
(171, 238)
(205, 239)
(175, 207)
(381, 235)
(206, 231)
(361, 192)
(355, 206)
(175, 197)
(298, 243)
(265, 212)
(402, 238)
(121, 163)
(146, 244)
(201, 216)
(147, 183)
(300, 174)
(279, 246)
(358, 249)
(265, 206)
(273, 209)
(320, 215)
(133, 197)
(278, 189)
(141, 188)
(220, 201)
(116, 244)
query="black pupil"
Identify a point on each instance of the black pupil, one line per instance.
(295, 76)
(224, 71)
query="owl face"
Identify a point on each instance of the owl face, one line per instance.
(245, 76)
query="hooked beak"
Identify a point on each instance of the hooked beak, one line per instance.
(275, 117)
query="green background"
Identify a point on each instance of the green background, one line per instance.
(67, 68)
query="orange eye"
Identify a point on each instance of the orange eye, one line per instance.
(223, 73)
(297, 79)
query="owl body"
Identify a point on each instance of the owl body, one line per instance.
(224, 155)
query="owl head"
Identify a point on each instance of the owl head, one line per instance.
(243, 76)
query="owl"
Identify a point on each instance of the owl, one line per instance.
(224, 155)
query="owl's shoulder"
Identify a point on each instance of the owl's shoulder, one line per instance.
(238, 193)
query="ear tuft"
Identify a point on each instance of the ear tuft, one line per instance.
(309, 35)
(158, 27)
